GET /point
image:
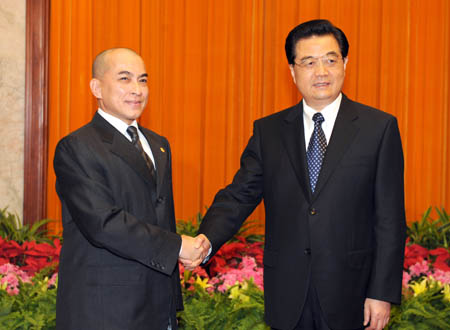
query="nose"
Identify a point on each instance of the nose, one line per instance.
(321, 69)
(136, 88)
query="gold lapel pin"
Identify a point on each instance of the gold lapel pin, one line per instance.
(162, 149)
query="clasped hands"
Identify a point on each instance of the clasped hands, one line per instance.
(193, 250)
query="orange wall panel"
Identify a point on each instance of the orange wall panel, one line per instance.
(216, 66)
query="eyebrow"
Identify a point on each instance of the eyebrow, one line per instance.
(128, 73)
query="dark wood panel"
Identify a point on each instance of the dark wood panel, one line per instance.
(36, 128)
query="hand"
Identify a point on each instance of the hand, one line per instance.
(377, 312)
(193, 250)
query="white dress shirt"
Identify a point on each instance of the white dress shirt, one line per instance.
(329, 113)
(121, 126)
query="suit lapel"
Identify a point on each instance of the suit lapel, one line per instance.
(344, 131)
(160, 156)
(119, 145)
(294, 141)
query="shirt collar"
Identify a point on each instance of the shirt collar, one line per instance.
(329, 112)
(117, 123)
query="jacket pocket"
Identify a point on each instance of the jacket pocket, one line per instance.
(360, 259)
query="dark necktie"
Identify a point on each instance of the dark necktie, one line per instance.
(132, 132)
(316, 150)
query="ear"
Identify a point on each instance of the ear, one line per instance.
(291, 67)
(96, 88)
(345, 62)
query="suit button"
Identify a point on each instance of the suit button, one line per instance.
(313, 211)
(160, 199)
(307, 252)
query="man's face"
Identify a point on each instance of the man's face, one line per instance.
(122, 90)
(319, 70)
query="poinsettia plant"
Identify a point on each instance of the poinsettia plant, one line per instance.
(28, 277)
(30, 257)
(227, 293)
(234, 263)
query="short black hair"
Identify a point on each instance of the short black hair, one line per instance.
(317, 27)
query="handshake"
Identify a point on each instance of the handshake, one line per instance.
(193, 250)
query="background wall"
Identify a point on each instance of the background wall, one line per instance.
(12, 87)
(215, 66)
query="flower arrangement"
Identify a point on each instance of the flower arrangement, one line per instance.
(235, 262)
(228, 292)
(28, 275)
(11, 277)
(30, 257)
(425, 305)
(31, 304)
(426, 277)
(421, 262)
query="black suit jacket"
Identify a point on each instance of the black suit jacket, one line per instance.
(118, 265)
(347, 238)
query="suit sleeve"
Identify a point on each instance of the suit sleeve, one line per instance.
(390, 224)
(233, 204)
(81, 187)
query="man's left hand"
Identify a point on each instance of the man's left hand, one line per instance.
(376, 312)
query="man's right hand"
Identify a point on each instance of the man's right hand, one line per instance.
(193, 250)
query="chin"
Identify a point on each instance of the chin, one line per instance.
(136, 112)
(323, 97)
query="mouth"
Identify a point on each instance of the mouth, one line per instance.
(322, 84)
(133, 103)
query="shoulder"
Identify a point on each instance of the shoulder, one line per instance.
(366, 112)
(288, 114)
(86, 134)
(154, 136)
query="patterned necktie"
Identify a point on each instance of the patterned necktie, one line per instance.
(132, 132)
(316, 150)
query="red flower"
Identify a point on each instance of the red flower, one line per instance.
(442, 263)
(199, 271)
(30, 256)
(413, 254)
(231, 254)
(33, 265)
(42, 249)
(11, 249)
(57, 244)
(442, 259)
(440, 252)
(232, 249)
(217, 265)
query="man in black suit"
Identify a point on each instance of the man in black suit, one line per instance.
(330, 172)
(118, 267)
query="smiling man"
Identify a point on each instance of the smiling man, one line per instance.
(118, 266)
(330, 172)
